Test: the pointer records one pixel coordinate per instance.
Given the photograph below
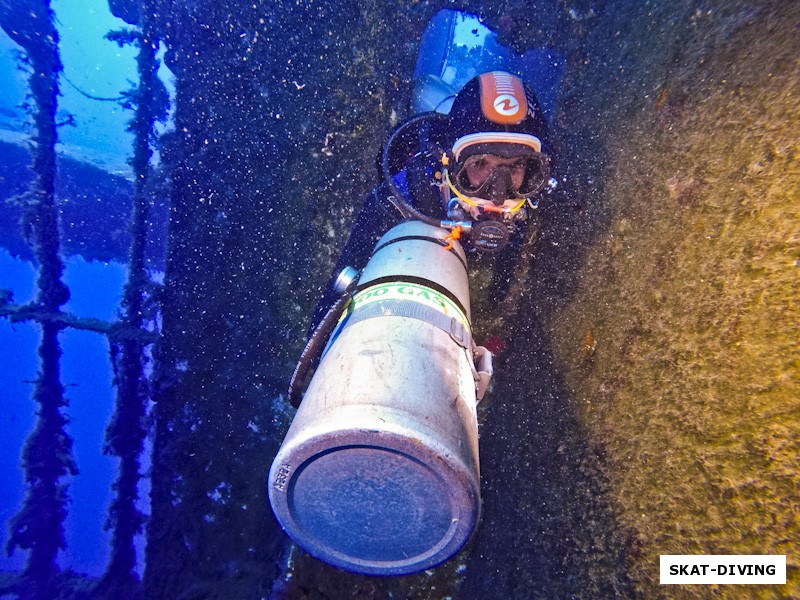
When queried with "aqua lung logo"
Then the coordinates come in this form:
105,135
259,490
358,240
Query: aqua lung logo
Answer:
502,98
506,104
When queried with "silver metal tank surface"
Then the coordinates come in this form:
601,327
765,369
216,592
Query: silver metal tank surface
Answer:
378,473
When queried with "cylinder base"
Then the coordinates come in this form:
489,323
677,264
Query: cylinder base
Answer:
373,501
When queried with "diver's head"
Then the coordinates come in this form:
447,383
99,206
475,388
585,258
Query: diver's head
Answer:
497,131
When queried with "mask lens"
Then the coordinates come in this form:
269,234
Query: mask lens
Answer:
477,171
474,172
536,173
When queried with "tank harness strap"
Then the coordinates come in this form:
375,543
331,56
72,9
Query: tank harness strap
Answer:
414,310
417,281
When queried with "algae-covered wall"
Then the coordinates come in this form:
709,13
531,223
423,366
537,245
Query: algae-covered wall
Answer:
679,341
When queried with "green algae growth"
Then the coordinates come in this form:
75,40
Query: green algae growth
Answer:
680,345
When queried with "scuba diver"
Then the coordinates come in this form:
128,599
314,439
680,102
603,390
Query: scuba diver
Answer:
379,471
481,167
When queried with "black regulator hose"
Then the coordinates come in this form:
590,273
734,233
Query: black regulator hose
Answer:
408,211
311,353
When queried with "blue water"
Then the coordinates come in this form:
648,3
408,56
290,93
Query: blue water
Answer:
86,375
93,66
97,67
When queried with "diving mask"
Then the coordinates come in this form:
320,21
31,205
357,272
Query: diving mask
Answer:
498,179
500,172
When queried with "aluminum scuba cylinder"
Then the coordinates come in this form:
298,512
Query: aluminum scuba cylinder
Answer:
379,471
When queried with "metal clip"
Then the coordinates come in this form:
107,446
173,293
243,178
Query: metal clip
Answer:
483,370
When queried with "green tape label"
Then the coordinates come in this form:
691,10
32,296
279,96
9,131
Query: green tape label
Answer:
409,291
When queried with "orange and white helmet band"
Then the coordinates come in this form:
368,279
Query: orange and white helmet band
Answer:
503,98
496,137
